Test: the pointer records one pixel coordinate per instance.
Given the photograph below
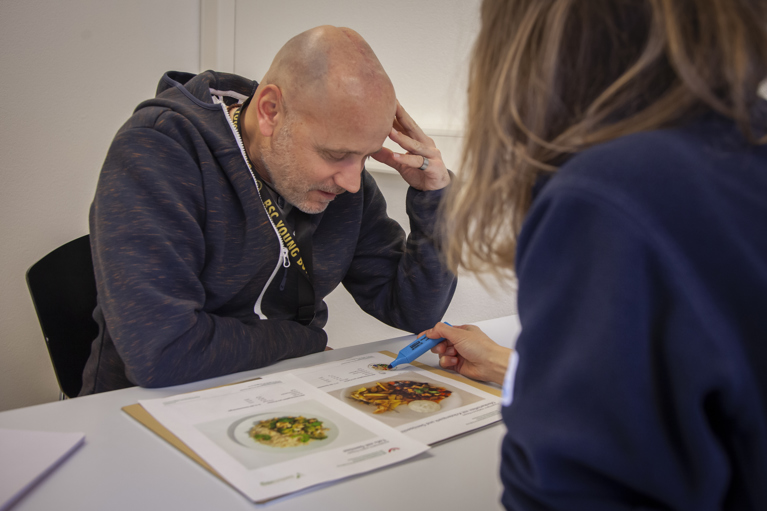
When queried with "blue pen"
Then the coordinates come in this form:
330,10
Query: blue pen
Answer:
415,349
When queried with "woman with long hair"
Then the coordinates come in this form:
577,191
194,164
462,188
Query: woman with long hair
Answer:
615,163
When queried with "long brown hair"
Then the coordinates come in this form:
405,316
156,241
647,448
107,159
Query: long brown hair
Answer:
550,78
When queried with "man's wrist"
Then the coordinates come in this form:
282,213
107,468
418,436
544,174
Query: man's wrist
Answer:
438,184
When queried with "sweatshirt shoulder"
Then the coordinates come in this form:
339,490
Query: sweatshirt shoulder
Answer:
192,102
658,168
163,119
692,155
639,157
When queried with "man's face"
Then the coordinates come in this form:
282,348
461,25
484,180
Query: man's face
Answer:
311,159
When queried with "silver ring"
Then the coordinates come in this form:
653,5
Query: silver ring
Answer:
425,163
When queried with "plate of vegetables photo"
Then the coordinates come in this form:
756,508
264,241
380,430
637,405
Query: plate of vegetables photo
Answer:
283,431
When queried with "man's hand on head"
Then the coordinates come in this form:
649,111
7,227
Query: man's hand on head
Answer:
420,148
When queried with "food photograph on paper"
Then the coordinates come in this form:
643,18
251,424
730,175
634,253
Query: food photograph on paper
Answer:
397,398
287,431
258,440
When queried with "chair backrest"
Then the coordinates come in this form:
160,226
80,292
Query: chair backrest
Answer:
63,289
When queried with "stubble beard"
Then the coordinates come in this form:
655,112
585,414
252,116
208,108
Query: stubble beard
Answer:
289,181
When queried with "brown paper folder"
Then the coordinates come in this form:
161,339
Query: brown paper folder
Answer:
140,414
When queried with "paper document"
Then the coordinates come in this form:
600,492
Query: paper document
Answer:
421,403
289,431
277,435
26,457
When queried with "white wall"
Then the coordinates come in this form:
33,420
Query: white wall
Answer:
72,73
74,70
422,44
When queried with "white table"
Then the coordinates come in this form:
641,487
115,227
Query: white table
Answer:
123,465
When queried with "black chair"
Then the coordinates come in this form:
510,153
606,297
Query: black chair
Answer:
63,289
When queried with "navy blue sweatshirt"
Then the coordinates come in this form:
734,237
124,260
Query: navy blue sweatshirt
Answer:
642,377
189,267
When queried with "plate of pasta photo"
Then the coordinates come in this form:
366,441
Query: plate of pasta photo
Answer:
402,398
283,431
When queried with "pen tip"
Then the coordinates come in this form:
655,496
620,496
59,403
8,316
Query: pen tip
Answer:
390,366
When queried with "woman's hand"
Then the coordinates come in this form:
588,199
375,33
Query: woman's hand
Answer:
468,351
419,147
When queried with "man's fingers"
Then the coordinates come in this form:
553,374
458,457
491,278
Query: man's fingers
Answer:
410,160
397,126
400,161
409,125
385,156
412,145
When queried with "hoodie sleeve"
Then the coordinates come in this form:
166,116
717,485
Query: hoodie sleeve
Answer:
148,242
400,281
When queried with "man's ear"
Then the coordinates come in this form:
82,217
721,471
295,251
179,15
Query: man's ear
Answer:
269,109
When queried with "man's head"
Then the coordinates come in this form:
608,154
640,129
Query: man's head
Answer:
323,107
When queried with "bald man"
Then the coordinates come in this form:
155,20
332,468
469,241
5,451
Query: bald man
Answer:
226,210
